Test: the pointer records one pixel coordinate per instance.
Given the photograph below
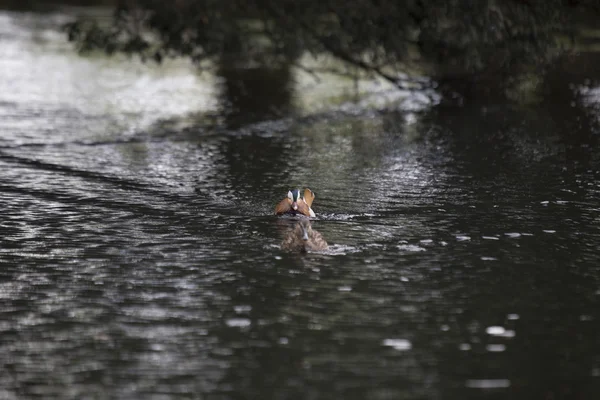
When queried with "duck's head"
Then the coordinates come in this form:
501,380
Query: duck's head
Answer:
294,195
305,230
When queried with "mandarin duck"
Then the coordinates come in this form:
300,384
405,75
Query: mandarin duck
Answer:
293,204
303,238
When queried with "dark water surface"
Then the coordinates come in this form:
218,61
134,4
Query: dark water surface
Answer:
141,263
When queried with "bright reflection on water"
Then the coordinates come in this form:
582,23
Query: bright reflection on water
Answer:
50,95
139,262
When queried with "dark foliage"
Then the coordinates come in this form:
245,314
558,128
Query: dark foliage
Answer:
446,39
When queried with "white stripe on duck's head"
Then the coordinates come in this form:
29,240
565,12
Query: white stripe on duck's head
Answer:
294,195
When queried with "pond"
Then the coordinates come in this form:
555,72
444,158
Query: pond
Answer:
141,257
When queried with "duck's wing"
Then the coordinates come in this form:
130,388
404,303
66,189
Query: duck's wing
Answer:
309,196
293,240
290,243
317,242
284,206
305,209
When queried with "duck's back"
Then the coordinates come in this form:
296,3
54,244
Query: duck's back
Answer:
315,241
303,238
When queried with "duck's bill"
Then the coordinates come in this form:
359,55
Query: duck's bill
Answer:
295,206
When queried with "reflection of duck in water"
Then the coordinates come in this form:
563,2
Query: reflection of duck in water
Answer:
303,238
293,204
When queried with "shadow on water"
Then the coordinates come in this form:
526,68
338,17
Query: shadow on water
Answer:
254,94
463,258
522,168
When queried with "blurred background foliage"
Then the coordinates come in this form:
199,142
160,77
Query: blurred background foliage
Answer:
473,47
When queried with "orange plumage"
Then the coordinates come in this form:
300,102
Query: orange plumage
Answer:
295,205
